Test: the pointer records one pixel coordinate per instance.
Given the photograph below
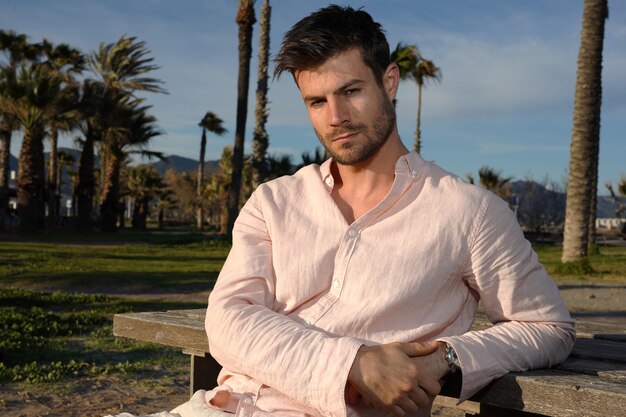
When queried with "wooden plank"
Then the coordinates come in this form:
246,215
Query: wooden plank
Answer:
597,330
162,328
604,370
599,349
468,407
611,336
555,393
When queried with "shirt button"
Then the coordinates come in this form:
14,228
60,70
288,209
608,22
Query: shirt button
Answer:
336,283
414,173
329,181
247,401
352,232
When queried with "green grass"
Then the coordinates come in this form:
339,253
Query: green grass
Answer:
95,263
55,321
48,336
45,337
609,265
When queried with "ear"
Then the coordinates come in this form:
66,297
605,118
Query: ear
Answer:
391,80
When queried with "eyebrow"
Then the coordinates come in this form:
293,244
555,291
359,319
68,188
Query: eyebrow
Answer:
341,89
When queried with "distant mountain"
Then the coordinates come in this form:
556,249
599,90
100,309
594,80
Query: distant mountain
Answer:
182,164
605,209
606,205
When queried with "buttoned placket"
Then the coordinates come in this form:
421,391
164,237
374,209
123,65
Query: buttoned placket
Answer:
350,240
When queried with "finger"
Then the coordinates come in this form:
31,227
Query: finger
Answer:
407,404
397,411
429,384
420,397
419,348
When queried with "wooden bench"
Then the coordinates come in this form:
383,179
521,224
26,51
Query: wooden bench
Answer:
591,382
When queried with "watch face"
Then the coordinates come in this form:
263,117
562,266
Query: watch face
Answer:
452,359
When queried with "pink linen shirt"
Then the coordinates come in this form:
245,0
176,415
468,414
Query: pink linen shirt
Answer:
302,290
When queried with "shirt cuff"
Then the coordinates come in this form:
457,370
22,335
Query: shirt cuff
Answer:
329,381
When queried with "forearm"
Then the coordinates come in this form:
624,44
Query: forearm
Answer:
308,365
509,347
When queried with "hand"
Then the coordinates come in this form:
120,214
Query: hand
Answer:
394,377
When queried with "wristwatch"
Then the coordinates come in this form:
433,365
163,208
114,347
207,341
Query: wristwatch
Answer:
452,359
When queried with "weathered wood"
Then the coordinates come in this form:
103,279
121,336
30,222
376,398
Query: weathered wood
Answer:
599,349
606,370
555,393
591,382
170,329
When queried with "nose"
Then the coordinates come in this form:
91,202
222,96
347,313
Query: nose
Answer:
338,113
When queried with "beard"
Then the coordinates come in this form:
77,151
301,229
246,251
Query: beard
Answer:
376,136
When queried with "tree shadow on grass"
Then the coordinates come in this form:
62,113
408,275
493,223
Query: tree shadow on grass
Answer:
119,282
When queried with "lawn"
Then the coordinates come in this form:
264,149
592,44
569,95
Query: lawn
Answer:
48,335
609,265
59,292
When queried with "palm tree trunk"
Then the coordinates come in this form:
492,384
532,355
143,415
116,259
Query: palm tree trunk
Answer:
200,183
418,144
31,181
585,132
52,178
5,152
86,184
260,140
245,20
110,193
593,204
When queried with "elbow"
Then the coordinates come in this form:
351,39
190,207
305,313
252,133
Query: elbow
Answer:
564,343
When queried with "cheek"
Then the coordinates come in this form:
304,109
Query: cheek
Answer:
317,119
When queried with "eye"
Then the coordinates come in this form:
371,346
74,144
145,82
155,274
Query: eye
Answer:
316,103
352,91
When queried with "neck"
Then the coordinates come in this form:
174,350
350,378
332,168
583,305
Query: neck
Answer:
359,188
377,171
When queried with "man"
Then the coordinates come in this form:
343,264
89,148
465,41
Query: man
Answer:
351,287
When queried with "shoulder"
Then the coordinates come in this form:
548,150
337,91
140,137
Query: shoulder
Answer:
291,189
453,189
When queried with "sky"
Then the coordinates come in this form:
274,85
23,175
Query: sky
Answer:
505,99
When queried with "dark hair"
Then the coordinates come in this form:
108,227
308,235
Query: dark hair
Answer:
328,32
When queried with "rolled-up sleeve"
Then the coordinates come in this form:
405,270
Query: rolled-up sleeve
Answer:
246,334
532,327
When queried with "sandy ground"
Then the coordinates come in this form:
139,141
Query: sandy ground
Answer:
164,389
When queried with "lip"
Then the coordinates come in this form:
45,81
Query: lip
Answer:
346,136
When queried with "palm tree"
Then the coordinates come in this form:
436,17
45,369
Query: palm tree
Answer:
279,166
64,159
245,20
585,132
39,96
144,184
492,180
132,133
15,50
94,107
319,156
619,202
217,191
260,140
213,124
66,62
413,65
122,124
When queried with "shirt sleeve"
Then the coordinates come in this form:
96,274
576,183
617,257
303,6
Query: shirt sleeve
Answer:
532,327
247,336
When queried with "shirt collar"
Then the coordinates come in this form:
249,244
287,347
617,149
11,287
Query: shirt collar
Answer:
410,163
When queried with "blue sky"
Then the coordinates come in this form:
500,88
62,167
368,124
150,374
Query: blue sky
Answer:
505,98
